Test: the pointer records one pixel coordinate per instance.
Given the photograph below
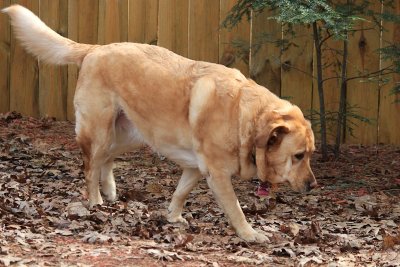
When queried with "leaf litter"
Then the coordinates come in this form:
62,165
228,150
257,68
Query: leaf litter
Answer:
351,219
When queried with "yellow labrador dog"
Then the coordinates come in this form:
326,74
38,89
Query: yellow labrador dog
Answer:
209,119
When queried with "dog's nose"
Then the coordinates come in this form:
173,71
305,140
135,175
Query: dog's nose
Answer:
311,185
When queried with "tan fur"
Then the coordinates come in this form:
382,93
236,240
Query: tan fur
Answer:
207,118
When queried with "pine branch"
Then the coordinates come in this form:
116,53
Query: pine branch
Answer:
368,75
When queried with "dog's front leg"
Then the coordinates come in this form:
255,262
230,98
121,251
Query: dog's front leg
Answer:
222,188
93,188
189,179
107,181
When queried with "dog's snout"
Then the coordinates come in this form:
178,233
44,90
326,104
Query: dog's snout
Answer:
310,185
307,187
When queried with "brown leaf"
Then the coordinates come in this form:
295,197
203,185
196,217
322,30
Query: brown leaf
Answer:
183,240
10,116
309,236
390,241
162,254
63,232
9,259
94,237
348,248
133,195
76,209
155,188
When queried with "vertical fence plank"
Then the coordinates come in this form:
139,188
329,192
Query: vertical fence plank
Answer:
364,59
53,80
235,56
73,22
24,80
83,28
4,59
113,21
389,106
203,30
173,19
265,62
143,21
87,17
297,68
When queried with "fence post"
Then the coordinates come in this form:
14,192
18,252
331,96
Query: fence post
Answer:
389,111
143,21
363,59
173,23
24,74
265,61
297,68
4,59
229,55
53,80
203,30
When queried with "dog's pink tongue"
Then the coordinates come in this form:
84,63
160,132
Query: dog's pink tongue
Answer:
263,189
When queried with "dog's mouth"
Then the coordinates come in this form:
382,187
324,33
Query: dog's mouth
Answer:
263,189
301,188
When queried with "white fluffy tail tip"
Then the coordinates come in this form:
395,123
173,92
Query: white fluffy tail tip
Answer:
7,9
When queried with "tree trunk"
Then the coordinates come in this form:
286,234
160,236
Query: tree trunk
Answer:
317,44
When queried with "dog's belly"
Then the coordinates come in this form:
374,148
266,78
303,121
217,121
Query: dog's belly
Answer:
184,157
130,137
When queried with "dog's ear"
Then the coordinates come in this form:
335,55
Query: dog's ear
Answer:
272,136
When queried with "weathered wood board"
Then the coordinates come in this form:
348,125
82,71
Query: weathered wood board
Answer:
24,73
297,68
232,55
363,95
53,80
173,19
204,30
389,105
4,60
265,61
143,21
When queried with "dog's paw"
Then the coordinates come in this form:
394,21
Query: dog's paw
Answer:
253,236
109,192
177,219
95,202
110,196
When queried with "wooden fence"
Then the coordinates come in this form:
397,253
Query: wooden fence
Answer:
192,28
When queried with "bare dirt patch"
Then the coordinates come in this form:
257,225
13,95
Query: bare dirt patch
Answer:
352,219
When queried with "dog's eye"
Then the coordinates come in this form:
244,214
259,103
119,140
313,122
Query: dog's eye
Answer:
299,156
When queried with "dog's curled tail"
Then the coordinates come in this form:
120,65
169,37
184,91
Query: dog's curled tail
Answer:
43,42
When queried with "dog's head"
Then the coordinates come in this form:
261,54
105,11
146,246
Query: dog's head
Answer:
284,144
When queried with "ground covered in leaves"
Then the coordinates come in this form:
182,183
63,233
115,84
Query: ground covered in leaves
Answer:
352,219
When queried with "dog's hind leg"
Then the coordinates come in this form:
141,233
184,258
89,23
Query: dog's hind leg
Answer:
125,138
188,181
93,160
95,139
